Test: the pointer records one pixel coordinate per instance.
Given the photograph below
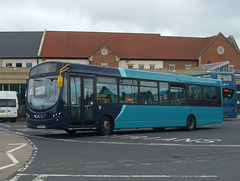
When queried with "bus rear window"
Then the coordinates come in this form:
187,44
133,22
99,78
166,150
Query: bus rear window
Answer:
228,94
224,77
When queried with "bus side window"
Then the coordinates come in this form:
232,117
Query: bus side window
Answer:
128,89
107,90
177,92
148,92
164,93
210,93
195,92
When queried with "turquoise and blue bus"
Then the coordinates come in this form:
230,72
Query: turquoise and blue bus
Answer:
229,91
72,97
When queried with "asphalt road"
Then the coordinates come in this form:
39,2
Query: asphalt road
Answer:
209,153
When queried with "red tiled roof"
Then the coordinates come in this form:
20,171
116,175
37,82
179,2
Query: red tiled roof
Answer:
126,45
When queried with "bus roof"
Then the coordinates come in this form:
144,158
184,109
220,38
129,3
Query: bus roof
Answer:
169,77
215,73
44,69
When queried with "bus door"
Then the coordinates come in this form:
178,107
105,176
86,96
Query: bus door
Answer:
81,100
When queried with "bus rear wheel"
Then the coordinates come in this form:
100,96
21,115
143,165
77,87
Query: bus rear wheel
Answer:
158,128
191,123
106,126
71,132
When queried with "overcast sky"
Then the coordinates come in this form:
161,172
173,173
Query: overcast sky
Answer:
191,18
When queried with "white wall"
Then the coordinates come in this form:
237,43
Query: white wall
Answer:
81,61
136,63
23,61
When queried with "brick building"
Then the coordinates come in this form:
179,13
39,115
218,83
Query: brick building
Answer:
139,51
19,51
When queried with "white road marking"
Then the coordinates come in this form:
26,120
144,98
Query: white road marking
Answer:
35,150
9,154
41,177
5,125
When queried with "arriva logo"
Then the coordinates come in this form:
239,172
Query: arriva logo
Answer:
39,116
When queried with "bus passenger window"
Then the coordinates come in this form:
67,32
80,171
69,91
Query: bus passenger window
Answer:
164,92
195,92
106,90
177,93
148,92
210,93
128,91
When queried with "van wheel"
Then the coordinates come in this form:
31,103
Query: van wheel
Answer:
105,126
13,120
191,123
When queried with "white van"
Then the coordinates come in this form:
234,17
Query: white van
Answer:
8,106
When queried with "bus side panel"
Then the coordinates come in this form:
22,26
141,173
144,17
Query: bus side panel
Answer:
140,116
208,115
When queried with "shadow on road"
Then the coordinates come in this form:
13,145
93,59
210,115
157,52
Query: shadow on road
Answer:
93,133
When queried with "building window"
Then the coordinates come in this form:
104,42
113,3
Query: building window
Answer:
104,64
152,67
104,51
231,68
220,50
28,64
222,69
18,64
141,66
8,64
130,66
188,67
172,67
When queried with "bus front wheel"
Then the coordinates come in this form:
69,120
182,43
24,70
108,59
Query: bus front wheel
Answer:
106,126
191,123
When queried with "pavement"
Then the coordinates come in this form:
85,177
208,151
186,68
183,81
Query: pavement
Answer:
15,153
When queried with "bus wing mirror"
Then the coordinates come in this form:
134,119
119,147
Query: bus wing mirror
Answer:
60,81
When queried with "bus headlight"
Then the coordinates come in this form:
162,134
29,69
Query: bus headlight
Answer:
56,114
27,115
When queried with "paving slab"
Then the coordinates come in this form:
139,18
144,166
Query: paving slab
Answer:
15,151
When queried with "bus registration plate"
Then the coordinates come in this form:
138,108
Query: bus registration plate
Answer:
226,116
2,111
41,126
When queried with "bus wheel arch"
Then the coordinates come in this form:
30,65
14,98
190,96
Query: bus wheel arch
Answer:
106,125
191,123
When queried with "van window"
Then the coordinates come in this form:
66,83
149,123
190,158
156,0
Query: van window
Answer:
7,103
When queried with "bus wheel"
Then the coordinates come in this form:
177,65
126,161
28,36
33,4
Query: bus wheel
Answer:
106,126
191,123
159,128
71,132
